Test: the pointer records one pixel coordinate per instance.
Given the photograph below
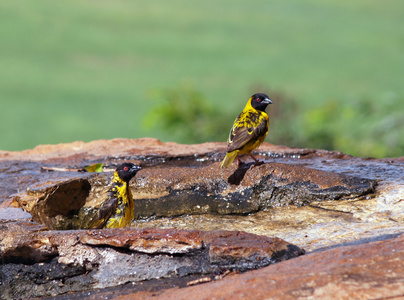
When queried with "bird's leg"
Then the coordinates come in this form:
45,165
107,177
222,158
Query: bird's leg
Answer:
257,162
239,161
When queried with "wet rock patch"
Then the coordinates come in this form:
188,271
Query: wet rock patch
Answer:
174,191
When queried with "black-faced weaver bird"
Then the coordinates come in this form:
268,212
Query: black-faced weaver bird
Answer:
249,129
117,210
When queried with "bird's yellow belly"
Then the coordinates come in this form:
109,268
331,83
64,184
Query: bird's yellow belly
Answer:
120,218
250,146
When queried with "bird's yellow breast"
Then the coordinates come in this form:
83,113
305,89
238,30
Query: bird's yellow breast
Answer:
123,214
252,117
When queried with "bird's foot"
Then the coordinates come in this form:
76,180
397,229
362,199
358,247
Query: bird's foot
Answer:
240,163
257,162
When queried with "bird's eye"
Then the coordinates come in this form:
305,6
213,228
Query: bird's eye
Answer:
258,100
125,169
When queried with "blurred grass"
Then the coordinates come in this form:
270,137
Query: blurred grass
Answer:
84,70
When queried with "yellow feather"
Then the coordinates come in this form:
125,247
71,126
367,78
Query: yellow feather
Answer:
122,218
124,212
228,160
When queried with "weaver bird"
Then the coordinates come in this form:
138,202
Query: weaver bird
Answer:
249,129
117,210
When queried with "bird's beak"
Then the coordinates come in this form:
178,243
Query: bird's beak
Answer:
136,168
267,101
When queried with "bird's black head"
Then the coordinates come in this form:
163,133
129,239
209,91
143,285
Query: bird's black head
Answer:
260,101
127,171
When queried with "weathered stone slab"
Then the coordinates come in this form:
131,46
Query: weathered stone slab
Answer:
162,192
20,170
367,271
145,240
141,148
36,262
173,191
44,264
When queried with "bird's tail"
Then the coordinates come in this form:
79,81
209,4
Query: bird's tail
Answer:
230,156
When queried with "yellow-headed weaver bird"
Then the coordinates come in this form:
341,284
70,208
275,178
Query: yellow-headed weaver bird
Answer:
249,129
117,210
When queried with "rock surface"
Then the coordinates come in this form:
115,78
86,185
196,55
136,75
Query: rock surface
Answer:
178,188
175,191
368,271
38,263
292,196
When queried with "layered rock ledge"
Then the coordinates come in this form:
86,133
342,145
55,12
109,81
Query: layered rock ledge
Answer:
191,182
368,271
37,262
196,223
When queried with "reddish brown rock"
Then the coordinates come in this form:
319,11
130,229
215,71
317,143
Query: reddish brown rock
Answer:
21,170
166,191
79,260
368,271
183,180
172,172
248,249
128,147
207,189
146,240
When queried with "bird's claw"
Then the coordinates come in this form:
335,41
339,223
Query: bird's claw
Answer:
258,163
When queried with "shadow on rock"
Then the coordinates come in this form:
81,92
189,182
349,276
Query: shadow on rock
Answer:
238,175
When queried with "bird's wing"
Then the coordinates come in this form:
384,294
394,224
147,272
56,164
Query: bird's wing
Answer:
104,213
247,127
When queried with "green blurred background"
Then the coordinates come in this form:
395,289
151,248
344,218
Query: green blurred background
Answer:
182,70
